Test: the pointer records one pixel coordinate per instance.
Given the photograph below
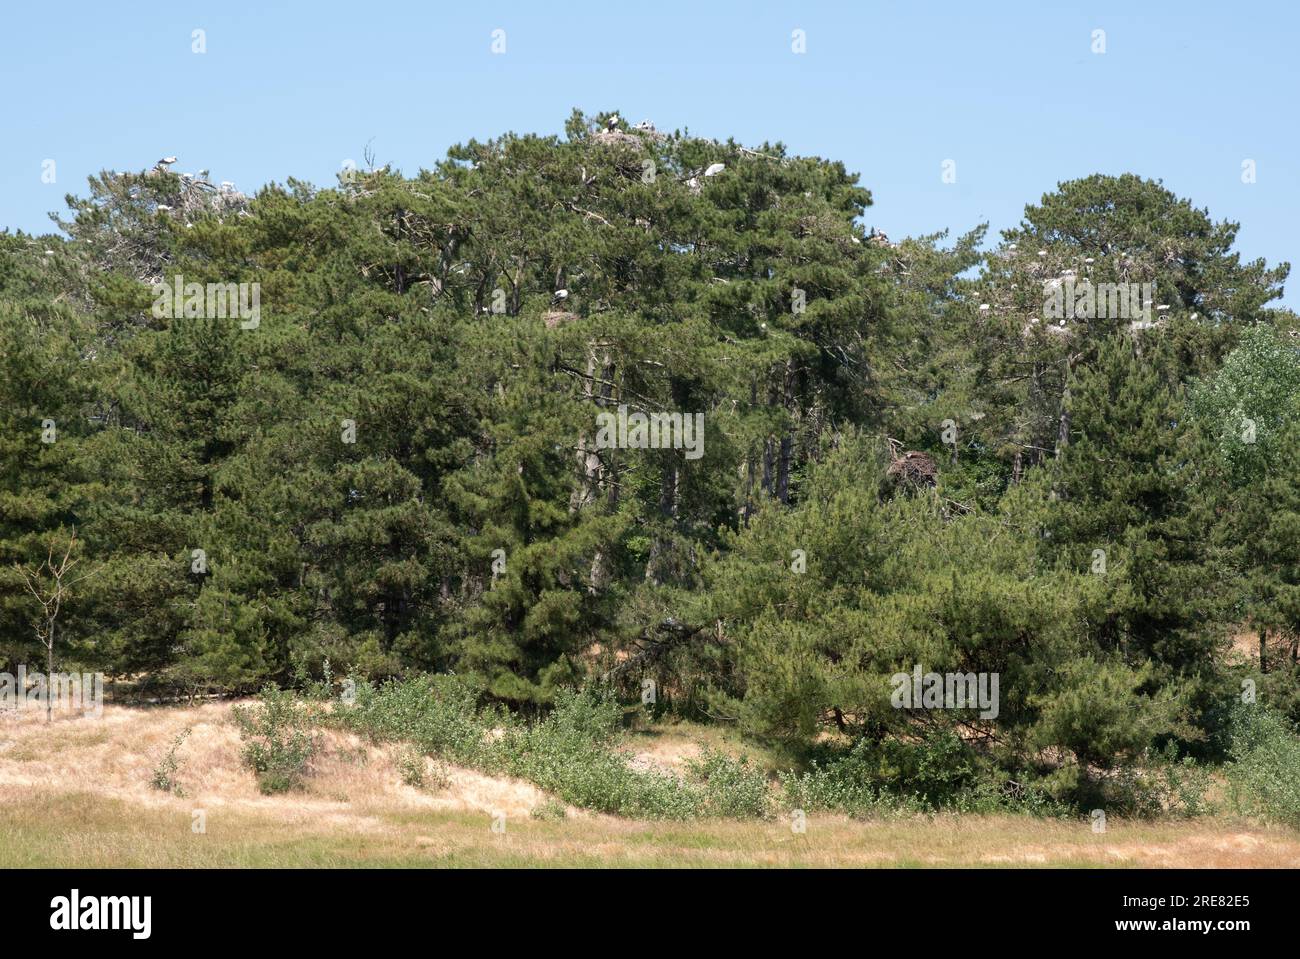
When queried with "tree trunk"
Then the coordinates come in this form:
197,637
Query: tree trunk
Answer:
783,470
49,672
588,458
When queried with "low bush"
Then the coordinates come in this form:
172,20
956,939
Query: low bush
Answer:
439,714
279,739
164,774
1264,773
570,752
732,788
842,784
549,811
895,778
410,765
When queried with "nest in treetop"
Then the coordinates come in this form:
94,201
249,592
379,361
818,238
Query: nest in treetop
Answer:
612,137
553,318
913,468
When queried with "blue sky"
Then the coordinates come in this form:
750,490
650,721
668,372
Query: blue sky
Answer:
1012,92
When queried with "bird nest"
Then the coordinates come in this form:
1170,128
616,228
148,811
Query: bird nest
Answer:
553,318
913,468
617,138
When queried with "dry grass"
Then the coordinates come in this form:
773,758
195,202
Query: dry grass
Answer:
77,793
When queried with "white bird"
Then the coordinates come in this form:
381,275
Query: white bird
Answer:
984,307
204,174
1088,260
1042,253
227,185
166,161
612,122
163,206
645,126
560,296
714,169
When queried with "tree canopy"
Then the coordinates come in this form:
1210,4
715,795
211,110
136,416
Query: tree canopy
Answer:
395,464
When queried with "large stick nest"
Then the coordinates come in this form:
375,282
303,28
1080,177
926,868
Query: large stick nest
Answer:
914,469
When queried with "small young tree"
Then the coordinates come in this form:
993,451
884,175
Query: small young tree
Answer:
50,583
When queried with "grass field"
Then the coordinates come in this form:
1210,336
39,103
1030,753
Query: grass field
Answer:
78,793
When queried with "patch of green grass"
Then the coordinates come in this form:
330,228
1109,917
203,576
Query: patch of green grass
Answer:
53,830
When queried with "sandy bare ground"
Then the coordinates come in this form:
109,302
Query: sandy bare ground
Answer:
77,792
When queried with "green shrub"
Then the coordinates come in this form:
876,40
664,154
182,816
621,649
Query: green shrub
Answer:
843,784
1160,785
897,778
1265,770
279,739
410,765
732,787
570,752
549,811
164,774
439,714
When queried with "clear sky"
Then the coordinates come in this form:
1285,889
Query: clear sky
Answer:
1185,91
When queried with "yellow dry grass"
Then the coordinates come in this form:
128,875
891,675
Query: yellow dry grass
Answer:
78,793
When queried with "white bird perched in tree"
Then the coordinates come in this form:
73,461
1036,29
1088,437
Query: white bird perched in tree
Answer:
645,126
612,122
166,161
560,296
714,169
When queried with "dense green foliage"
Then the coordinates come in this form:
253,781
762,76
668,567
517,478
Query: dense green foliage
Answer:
571,752
1265,771
909,461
